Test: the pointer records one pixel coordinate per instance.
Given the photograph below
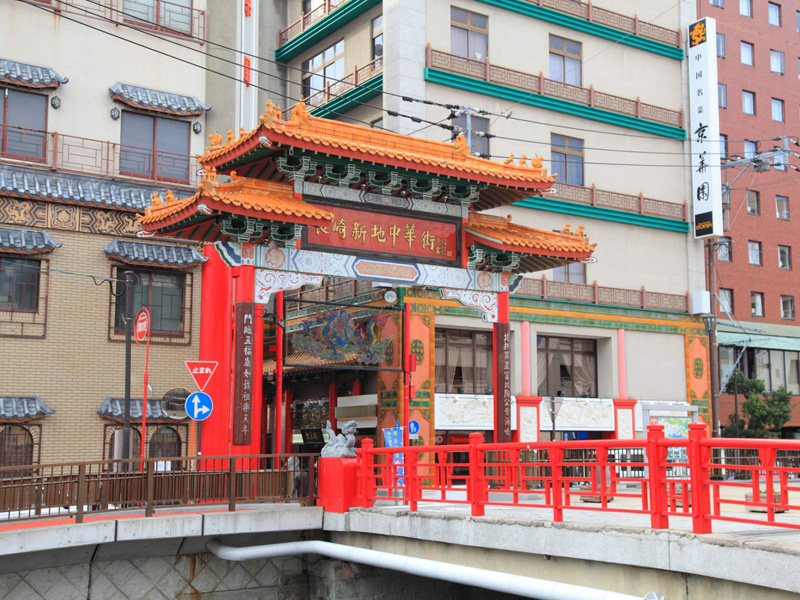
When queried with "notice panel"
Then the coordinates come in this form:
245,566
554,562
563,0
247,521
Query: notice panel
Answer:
358,231
243,373
706,147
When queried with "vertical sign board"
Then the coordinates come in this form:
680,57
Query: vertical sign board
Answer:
243,380
706,146
502,340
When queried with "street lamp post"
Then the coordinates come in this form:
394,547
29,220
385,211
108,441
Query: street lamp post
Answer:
710,321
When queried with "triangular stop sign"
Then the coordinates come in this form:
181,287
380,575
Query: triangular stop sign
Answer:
201,371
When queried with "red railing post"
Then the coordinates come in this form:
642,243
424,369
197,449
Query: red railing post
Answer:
366,472
698,458
412,492
557,485
476,481
658,480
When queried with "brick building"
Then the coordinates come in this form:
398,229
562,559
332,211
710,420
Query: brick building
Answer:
756,279
85,140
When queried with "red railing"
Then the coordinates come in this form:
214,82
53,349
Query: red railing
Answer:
73,489
598,294
168,18
306,20
86,156
659,477
350,81
539,84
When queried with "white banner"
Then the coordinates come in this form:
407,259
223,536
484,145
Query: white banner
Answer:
706,146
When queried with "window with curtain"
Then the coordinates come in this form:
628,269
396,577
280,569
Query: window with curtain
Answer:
756,304
567,158
163,294
172,15
23,124
754,253
565,60
782,207
571,273
748,103
463,361
777,62
469,34
566,367
776,368
154,147
720,45
377,37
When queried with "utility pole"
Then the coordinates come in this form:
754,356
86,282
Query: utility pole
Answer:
126,421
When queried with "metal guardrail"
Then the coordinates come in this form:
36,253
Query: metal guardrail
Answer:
72,154
75,489
349,82
539,84
306,20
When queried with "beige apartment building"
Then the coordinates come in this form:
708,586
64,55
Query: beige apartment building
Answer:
598,91
91,125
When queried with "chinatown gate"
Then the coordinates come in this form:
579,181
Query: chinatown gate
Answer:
300,201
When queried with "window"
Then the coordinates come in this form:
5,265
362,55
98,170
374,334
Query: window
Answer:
377,37
175,15
310,5
782,207
720,45
163,294
719,3
463,361
19,283
323,69
154,147
756,304
750,149
777,110
776,368
784,257
746,8
722,95
567,367
572,273
23,124
724,249
777,62
787,307
725,301
774,14
753,199
565,60
797,21
16,449
469,34
748,102
754,253
723,142
746,51
166,443
479,144
567,160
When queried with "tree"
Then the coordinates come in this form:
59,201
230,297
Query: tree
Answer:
763,413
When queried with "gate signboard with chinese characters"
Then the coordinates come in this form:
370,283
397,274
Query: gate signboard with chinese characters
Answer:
706,146
305,201
362,231
243,382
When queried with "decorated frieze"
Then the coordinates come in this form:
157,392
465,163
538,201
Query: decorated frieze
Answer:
67,217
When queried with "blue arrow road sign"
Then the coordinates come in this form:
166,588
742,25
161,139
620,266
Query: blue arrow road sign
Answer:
199,406
413,427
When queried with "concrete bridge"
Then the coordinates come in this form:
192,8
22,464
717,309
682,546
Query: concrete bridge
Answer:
128,555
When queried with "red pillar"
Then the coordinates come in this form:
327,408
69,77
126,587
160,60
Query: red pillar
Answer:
501,352
406,373
279,372
332,398
216,336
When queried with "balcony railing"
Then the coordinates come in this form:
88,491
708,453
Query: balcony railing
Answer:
598,294
601,16
349,82
308,19
85,156
604,199
539,84
162,16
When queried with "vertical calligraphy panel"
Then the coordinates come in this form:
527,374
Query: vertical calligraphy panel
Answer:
502,395
243,373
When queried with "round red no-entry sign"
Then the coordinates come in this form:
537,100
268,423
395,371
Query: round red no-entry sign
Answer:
141,329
